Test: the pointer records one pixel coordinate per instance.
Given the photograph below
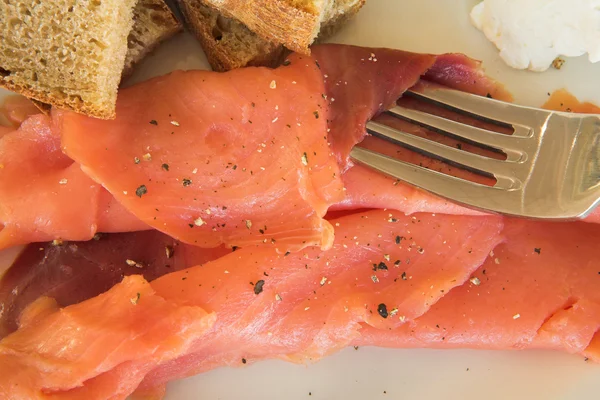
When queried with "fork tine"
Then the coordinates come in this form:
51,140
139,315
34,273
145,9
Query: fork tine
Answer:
498,141
491,110
488,166
469,193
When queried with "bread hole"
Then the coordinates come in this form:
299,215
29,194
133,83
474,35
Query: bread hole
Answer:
43,61
95,3
133,41
217,34
76,99
224,24
70,9
4,72
34,77
98,43
14,23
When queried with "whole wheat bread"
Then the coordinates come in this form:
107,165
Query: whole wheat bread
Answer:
293,23
153,23
229,44
72,53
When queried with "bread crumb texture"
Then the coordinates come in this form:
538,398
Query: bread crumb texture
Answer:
228,44
68,53
153,22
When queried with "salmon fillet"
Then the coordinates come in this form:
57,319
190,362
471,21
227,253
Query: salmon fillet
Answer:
238,158
46,196
76,271
199,165
426,280
98,349
538,289
299,307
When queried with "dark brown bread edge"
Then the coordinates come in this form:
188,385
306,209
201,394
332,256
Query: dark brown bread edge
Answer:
221,60
275,21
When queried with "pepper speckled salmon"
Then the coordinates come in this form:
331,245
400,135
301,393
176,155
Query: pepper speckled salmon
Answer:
237,158
46,196
382,266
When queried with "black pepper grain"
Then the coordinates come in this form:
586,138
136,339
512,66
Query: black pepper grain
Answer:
382,310
258,287
381,265
140,191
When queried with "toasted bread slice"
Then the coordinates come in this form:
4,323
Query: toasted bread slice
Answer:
153,23
74,56
229,44
293,23
68,54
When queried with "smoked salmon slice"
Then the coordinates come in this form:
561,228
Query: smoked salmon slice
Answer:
76,271
238,158
98,349
538,289
46,196
363,82
223,158
16,109
297,306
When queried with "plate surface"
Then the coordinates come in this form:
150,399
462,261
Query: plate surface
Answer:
370,373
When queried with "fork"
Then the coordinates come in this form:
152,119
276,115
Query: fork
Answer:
552,165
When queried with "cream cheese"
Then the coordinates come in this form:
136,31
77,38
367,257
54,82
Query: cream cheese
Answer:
531,34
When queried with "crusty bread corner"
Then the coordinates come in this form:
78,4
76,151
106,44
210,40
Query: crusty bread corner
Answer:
341,12
42,59
153,23
293,23
227,43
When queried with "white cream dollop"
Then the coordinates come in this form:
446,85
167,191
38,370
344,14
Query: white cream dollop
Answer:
531,34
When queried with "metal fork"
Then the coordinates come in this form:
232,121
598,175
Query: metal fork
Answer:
552,166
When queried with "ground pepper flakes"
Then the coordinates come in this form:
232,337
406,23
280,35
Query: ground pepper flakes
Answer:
141,190
258,287
382,310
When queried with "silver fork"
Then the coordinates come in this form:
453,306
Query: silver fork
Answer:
552,166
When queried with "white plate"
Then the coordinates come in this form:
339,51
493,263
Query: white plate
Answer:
424,26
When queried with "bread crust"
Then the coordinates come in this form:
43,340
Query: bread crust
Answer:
163,21
276,21
202,21
331,27
44,100
164,25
